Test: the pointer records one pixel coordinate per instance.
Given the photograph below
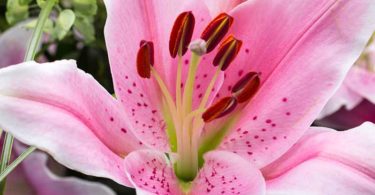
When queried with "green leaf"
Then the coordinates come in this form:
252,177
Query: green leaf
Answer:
63,23
17,10
86,28
85,7
41,3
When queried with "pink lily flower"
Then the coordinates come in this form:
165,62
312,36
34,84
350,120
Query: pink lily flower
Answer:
273,73
354,102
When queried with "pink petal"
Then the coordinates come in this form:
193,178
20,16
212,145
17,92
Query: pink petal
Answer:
227,173
14,44
326,162
344,97
43,182
129,23
347,119
64,111
218,6
303,51
150,174
362,82
223,173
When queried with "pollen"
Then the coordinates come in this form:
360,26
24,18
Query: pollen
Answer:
216,30
219,109
181,34
145,59
246,87
228,51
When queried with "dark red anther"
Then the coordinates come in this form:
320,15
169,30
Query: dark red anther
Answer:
181,34
216,30
221,108
145,58
246,87
228,51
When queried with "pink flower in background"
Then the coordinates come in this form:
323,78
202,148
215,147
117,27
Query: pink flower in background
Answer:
34,177
354,101
14,44
274,70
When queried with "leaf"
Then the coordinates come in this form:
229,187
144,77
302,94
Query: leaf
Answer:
64,23
85,7
17,10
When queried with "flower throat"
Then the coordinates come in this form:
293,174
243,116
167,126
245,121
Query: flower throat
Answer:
186,123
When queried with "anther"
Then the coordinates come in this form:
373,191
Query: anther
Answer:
228,51
246,87
145,58
216,30
221,108
181,34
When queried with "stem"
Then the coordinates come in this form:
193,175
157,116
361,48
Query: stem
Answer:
189,85
16,162
187,163
178,86
30,54
209,88
37,34
5,157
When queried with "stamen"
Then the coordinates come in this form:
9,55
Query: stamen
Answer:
220,109
227,52
246,87
181,34
216,30
145,59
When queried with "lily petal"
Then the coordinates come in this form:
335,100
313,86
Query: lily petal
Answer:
43,182
150,174
65,112
218,6
125,27
223,173
228,173
344,97
150,20
346,119
362,82
14,44
325,161
303,51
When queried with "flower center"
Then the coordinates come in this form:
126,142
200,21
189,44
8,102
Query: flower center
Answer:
184,123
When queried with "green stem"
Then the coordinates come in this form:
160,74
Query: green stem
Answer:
30,54
37,34
16,162
5,157
187,98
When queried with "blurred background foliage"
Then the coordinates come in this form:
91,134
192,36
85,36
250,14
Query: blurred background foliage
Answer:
75,31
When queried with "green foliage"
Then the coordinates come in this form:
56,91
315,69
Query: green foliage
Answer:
63,23
85,26
41,3
17,10
85,7
85,11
